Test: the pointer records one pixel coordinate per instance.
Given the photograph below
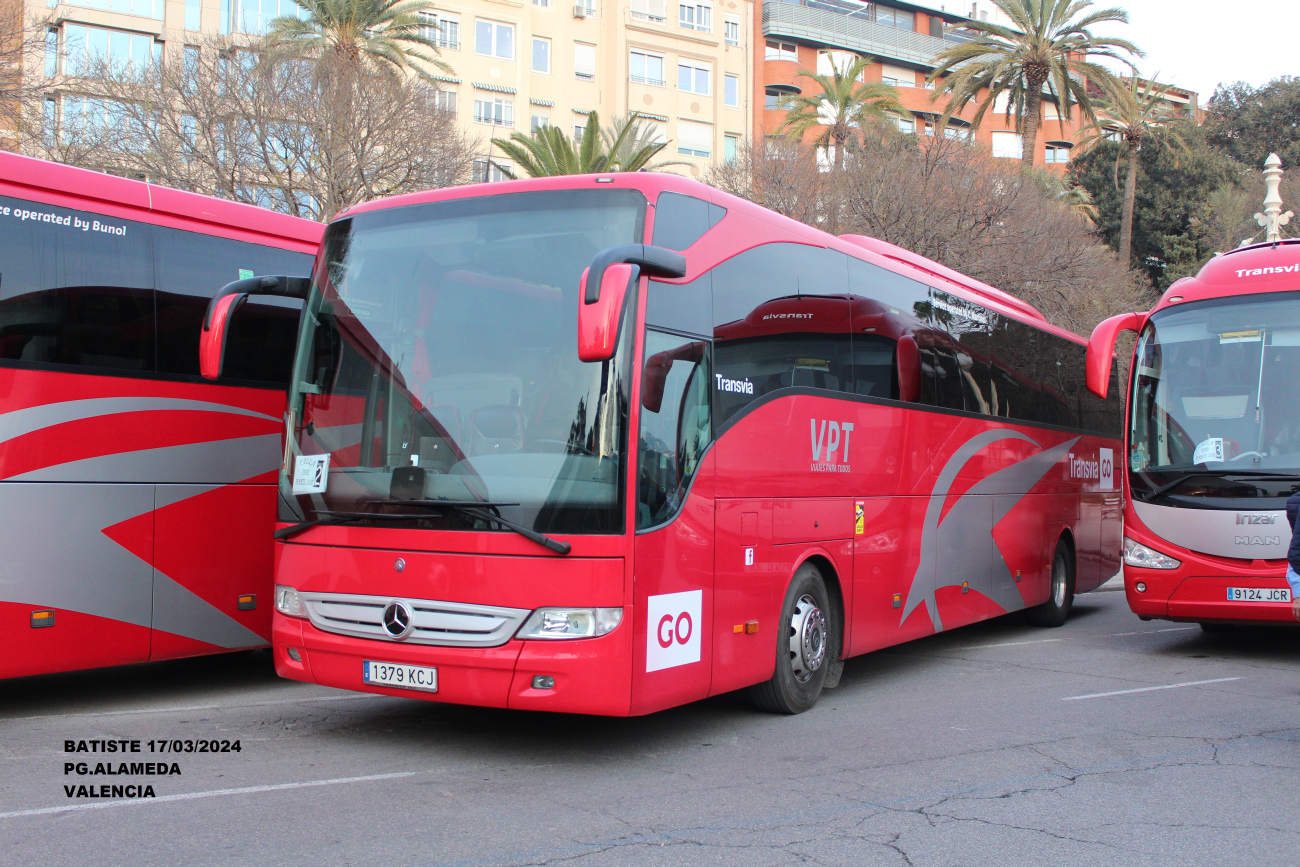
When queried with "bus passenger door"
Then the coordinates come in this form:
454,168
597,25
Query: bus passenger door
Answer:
673,583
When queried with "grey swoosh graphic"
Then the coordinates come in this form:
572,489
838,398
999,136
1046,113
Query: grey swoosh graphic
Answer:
181,612
33,418
967,528
207,463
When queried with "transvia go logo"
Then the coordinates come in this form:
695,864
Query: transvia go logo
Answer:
832,439
1101,470
673,623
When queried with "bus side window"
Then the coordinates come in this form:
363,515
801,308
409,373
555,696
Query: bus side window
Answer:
675,423
781,319
190,268
72,296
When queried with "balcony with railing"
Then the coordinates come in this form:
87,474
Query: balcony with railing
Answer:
848,25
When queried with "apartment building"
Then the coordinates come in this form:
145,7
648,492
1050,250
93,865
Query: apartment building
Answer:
903,39
516,64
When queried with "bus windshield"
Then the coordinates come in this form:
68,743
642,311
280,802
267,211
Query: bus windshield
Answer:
438,362
1214,412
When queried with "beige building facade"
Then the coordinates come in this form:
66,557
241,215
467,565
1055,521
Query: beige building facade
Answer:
686,66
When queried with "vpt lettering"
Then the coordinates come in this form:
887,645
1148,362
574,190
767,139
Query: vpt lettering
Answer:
832,436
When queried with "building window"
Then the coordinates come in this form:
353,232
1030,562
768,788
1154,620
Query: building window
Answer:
584,61
731,90
441,29
694,139
487,172
906,123
51,52
957,133
541,54
1058,153
193,14
830,62
494,39
143,8
730,147
693,77
896,18
696,16
1007,145
781,51
543,3
445,100
897,76
83,45
732,31
248,16
646,69
772,99
655,11
190,57
541,118
497,111
579,127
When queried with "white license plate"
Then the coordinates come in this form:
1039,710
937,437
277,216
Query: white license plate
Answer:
399,675
1257,594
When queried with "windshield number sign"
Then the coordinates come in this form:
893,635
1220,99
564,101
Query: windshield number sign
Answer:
310,474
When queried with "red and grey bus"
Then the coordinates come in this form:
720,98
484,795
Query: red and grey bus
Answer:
138,499
1212,440
610,444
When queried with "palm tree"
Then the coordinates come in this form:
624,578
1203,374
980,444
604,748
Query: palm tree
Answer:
385,33
841,110
1052,45
626,147
1129,113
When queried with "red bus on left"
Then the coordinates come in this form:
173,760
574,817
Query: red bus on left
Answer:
137,500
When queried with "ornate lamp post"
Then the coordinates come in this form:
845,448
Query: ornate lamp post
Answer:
1273,219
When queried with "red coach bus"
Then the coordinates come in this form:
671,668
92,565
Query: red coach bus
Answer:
1213,440
609,444
138,500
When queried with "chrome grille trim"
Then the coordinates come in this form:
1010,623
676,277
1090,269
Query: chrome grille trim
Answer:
444,624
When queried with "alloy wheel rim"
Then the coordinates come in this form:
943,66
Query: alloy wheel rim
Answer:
1058,582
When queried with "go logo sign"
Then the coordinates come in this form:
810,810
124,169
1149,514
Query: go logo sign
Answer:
673,623
1106,457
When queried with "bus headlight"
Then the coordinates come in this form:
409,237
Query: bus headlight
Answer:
1139,555
570,622
286,601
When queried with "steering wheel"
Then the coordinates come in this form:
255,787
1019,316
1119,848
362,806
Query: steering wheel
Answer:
1245,455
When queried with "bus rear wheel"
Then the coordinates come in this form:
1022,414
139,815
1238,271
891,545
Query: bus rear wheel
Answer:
1056,609
805,645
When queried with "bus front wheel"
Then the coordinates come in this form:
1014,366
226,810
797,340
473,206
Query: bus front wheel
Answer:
1056,609
804,646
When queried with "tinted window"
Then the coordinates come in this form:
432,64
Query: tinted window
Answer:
682,306
75,288
954,339
883,304
190,268
781,317
675,427
681,220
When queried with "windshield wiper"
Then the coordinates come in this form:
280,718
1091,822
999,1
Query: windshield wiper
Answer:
475,509
338,518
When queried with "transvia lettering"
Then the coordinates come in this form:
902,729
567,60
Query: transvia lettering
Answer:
1275,269
740,386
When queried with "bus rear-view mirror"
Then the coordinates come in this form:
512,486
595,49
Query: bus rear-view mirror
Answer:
1101,349
221,310
598,320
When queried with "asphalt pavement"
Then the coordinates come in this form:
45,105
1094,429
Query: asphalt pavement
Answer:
1108,741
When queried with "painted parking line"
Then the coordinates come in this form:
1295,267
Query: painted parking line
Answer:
192,707
1012,643
194,796
1148,688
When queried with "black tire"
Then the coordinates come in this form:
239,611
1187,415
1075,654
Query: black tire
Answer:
808,621
1060,598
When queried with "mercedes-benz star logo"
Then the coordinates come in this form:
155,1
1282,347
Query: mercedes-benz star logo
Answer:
396,620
